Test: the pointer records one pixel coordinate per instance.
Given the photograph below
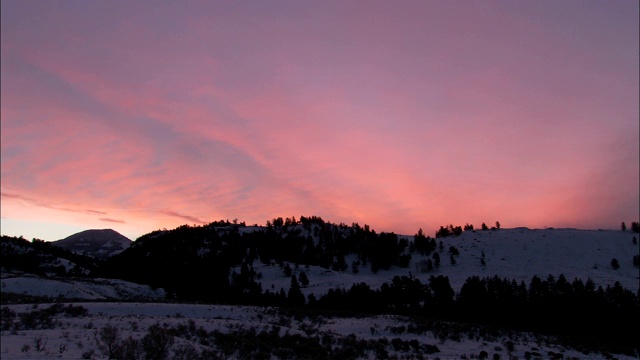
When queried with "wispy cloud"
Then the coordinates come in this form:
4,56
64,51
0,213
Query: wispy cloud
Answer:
192,219
39,203
402,122
113,220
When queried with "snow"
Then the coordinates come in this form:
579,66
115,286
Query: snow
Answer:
77,334
88,289
517,254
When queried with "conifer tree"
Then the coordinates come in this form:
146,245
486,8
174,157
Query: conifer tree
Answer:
304,280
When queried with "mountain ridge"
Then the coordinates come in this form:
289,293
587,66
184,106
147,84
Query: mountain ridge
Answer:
98,243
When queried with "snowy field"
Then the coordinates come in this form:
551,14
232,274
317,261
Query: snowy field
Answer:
79,337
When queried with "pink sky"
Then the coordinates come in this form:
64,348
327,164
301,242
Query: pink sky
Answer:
137,116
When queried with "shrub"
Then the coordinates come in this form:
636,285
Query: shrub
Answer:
131,348
108,340
157,342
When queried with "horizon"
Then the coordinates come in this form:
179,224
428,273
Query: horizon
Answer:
419,115
477,227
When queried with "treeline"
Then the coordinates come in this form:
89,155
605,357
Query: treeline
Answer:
178,260
576,310
451,230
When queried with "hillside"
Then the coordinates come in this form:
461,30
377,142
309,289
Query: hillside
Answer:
100,244
39,269
42,258
575,284
517,254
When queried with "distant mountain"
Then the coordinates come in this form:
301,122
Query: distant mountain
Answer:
100,244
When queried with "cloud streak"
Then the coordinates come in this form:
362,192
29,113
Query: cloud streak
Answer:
113,221
398,116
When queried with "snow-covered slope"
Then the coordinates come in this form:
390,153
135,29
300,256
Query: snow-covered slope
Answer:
517,254
97,243
78,288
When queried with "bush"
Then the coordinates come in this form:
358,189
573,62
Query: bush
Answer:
131,348
157,342
108,341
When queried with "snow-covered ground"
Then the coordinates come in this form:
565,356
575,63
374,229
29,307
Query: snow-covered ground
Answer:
77,288
512,253
516,254
76,335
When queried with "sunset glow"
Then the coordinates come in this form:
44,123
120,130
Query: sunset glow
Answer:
137,116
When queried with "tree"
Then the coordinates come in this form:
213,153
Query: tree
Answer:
484,226
615,264
354,266
436,259
497,224
304,280
635,227
623,226
294,296
287,270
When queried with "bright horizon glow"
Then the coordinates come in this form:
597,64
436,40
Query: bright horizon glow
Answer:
401,116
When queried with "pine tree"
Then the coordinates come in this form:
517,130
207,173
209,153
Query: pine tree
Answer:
304,280
294,296
436,260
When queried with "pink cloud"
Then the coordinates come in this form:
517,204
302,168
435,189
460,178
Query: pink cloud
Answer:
398,117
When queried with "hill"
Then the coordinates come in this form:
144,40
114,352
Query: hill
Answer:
576,284
42,258
339,255
40,270
100,244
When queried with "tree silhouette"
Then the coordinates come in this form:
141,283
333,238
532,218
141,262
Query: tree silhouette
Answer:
294,296
304,280
615,264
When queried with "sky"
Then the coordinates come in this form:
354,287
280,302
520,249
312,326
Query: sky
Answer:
139,116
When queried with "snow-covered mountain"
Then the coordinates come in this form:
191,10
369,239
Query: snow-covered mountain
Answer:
100,244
